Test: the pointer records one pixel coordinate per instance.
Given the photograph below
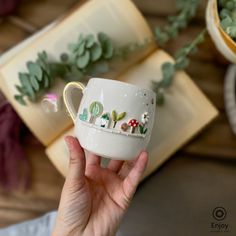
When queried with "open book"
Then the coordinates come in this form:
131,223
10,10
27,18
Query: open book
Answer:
186,110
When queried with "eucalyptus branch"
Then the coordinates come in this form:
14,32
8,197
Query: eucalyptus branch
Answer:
186,11
90,55
169,69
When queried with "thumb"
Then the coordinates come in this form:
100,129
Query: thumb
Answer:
76,173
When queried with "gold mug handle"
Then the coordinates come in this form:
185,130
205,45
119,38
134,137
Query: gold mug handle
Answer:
68,98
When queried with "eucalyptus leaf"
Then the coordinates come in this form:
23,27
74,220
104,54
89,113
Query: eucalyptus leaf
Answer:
21,90
46,83
182,63
80,39
81,49
96,52
168,71
83,60
35,70
102,37
42,56
34,82
90,40
186,11
73,47
20,99
25,81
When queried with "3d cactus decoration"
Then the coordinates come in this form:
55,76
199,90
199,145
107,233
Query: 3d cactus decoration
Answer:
117,117
96,110
84,115
133,124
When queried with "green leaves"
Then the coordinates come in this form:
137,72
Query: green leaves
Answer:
186,11
89,50
107,45
39,77
20,99
26,85
114,115
121,116
35,70
142,129
89,55
227,13
117,117
96,52
168,69
96,109
83,60
34,82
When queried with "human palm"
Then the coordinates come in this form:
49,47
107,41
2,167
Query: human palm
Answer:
94,199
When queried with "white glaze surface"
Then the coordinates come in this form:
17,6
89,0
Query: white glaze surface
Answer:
121,97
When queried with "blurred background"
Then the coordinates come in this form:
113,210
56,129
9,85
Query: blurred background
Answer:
178,199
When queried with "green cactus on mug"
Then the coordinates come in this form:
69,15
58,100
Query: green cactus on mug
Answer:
96,109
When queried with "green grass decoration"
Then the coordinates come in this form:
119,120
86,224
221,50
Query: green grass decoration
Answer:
227,13
186,11
142,129
89,55
169,69
117,117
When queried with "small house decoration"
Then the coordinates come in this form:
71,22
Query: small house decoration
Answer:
117,117
96,109
105,120
124,127
133,124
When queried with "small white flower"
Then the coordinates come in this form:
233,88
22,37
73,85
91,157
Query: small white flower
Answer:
145,118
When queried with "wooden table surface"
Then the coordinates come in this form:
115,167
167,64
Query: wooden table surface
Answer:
207,69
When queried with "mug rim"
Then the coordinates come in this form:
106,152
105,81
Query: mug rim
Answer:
123,83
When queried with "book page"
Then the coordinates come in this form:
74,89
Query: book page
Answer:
185,112
119,19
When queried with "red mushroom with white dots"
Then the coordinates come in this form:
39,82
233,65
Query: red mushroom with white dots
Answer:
133,124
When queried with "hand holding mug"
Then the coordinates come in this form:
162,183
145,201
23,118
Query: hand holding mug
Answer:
114,119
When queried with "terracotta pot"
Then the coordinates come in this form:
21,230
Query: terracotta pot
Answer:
224,43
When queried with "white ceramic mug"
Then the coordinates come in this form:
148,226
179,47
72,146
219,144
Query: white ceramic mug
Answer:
114,120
